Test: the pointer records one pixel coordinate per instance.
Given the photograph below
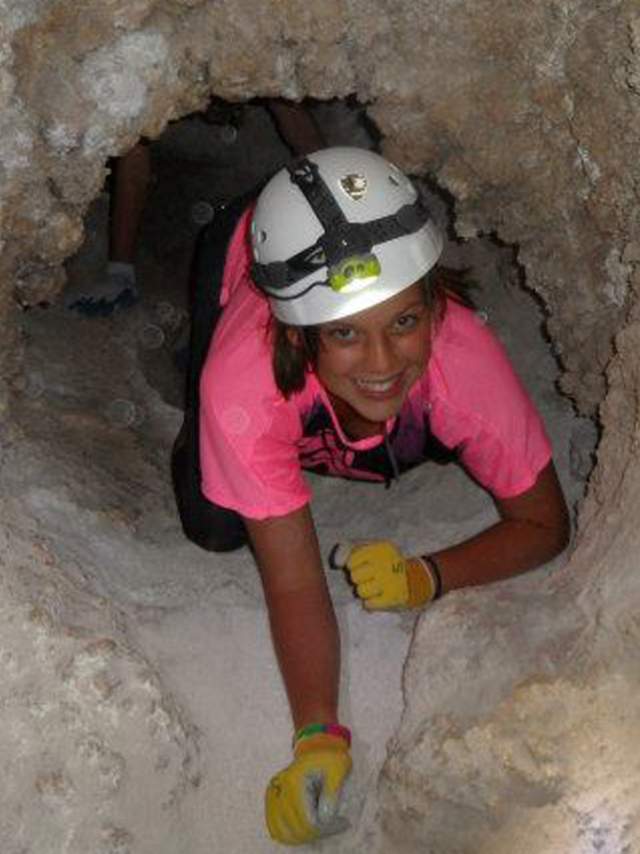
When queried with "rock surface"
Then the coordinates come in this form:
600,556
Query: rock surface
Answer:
87,722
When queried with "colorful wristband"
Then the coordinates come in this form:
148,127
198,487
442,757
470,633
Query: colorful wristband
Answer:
435,573
337,730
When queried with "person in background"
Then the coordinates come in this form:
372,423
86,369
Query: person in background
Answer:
118,288
342,347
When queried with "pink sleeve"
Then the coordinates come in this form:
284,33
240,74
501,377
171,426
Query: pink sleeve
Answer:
248,433
249,458
480,407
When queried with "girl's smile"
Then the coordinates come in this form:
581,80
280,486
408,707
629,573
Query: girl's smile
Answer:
380,388
370,360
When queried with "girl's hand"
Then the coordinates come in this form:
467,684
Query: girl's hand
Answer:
302,800
383,577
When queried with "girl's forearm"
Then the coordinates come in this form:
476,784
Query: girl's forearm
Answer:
534,527
303,623
306,641
507,548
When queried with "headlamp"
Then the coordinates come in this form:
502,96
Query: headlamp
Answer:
354,273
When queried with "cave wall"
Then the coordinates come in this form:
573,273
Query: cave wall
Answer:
87,722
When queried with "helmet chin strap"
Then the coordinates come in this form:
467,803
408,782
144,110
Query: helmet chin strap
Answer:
341,239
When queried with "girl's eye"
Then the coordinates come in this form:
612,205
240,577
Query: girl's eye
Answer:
342,333
406,322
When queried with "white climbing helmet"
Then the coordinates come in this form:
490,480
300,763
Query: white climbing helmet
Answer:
337,232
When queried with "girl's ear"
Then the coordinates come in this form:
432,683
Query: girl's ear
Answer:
294,337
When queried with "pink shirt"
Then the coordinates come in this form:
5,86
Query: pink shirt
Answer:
254,444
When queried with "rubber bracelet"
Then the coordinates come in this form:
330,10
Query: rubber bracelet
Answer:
421,582
310,730
437,574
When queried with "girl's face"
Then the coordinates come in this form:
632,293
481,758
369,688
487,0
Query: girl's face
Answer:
371,359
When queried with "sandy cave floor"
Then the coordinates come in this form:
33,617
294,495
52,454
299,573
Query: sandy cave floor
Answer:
96,415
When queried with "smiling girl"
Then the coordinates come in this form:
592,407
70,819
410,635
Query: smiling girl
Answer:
341,349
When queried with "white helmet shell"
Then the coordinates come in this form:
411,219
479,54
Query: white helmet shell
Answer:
366,188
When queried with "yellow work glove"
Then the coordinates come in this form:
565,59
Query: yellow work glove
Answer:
303,800
384,578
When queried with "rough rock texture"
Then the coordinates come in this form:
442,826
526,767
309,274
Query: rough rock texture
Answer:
85,719
528,115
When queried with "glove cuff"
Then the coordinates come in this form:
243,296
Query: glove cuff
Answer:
331,731
320,742
423,580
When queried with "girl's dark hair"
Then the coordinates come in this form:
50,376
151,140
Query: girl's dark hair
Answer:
292,360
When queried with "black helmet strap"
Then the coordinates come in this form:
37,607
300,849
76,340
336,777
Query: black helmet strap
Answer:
340,239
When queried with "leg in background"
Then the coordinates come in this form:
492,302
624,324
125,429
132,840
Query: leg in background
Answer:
118,288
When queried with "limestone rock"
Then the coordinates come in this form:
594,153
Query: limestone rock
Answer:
85,718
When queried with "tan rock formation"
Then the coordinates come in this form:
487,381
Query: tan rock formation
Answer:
75,697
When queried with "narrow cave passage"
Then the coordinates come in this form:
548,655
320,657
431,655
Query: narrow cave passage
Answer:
121,370
98,408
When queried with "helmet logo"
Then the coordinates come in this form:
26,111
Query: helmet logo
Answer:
354,185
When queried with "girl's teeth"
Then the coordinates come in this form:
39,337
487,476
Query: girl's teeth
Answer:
376,386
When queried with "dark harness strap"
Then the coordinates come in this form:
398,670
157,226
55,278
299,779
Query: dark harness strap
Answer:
341,238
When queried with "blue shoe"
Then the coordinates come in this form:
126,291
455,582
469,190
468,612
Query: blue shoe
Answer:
117,292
